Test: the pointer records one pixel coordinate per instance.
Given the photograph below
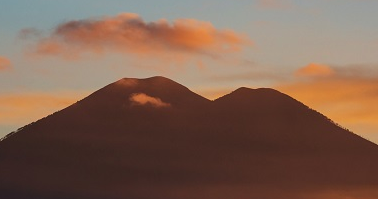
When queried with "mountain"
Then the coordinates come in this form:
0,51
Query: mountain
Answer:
155,139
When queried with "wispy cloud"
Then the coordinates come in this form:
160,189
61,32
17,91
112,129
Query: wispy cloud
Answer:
315,70
5,63
129,34
274,4
252,76
29,33
143,99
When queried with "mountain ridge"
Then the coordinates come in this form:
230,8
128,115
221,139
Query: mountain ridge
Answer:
154,138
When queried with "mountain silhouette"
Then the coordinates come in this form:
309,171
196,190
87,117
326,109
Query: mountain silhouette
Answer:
155,139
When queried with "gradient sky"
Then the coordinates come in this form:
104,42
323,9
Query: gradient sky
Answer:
322,52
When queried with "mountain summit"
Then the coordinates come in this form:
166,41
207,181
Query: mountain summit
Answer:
155,139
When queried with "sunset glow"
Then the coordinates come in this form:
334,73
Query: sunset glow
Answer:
199,99
323,53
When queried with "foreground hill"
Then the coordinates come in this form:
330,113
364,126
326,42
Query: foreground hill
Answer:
155,139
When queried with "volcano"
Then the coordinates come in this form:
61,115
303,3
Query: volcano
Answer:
155,139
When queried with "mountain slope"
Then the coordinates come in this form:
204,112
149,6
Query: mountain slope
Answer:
155,139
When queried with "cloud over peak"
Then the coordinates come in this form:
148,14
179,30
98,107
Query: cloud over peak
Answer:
143,99
129,33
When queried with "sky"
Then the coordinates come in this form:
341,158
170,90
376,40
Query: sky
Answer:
321,52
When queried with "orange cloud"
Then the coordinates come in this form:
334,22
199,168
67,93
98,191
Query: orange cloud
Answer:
347,99
130,34
5,63
21,109
143,99
313,69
